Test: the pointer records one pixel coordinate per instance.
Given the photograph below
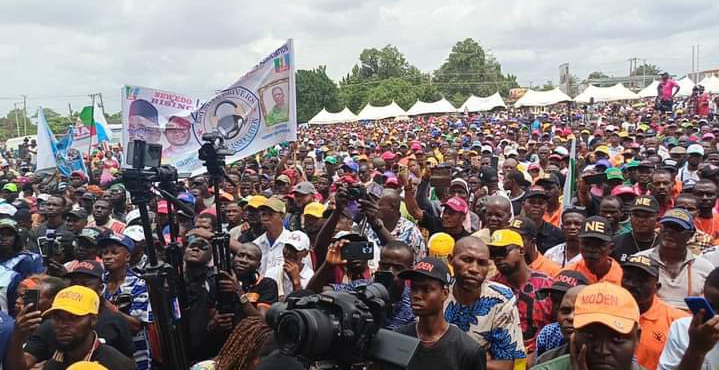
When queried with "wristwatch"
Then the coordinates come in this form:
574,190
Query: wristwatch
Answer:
244,299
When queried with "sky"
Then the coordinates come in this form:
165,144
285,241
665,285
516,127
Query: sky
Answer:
58,52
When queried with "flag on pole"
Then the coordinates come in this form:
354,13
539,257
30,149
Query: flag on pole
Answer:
45,143
93,119
65,158
570,184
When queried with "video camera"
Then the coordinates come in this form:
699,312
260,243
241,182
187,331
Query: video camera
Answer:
138,180
49,246
340,327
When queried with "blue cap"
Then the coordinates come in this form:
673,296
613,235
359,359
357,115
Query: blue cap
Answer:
354,167
603,162
187,198
678,216
477,144
122,240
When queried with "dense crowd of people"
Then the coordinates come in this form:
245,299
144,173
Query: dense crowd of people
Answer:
566,239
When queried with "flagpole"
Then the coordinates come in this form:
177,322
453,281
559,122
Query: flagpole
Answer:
89,147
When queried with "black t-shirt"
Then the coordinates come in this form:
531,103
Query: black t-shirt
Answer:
625,245
433,224
454,351
105,355
111,328
548,236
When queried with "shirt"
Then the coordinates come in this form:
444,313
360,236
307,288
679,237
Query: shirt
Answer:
116,226
614,275
655,325
676,345
408,233
272,251
284,283
455,350
7,326
548,236
103,354
626,245
709,226
492,320
558,255
534,313
667,89
433,224
565,363
545,265
554,218
549,337
689,281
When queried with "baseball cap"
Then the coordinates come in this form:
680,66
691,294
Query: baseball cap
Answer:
89,234
256,201
565,280
430,267
77,300
695,149
524,226
505,237
80,213
86,365
117,239
647,164
678,150
614,174
388,156
88,195
11,187
602,149
645,203
678,216
645,263
298,240
275,204
536,191
548,178
135,232
457,204
330,159
461,183
87,267
623,190
607,304
314,209
305,188
195,239
283,178
604,163
597,227
8,223
440,244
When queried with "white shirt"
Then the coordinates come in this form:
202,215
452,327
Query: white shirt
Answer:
272,253
284,283
676,346
558,254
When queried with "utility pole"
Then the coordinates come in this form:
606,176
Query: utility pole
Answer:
17,120
696,75
24,116
693,53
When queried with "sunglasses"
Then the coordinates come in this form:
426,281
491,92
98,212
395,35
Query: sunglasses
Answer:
501,252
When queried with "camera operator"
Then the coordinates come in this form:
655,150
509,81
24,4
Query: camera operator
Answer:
442,345
128,291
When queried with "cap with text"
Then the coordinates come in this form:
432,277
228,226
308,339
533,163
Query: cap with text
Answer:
645,203
597,227
607,304
77,300
678,216
644,263
428,267
457,204
505,237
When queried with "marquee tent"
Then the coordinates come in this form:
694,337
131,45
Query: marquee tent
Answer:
440,106
534,98
371,113
649,91
325,118
685,86
482,104
605,94
711,84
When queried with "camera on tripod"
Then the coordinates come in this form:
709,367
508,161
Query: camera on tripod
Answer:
341,328
139,179
49,246
213,152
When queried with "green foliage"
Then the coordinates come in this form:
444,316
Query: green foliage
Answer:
395,88
547,86
596,75
646,69
315,90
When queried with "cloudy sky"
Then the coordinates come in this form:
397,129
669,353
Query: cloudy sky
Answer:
57,52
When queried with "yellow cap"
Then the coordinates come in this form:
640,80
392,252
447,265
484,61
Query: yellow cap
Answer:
623,134
602,149
77,300
607,304
275,204
256,201
505,237
314,209
86,365
440,244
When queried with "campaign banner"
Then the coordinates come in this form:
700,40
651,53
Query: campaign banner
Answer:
252,114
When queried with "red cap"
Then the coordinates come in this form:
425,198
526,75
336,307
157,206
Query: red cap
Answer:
622,190
392,183
457,204
388,156
416,146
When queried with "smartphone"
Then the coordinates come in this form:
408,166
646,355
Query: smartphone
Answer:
357,251
441,177
595,179
494,162
698,303
31,296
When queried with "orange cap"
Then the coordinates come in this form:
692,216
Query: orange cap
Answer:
607,304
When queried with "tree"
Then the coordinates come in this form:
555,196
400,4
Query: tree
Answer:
646,69
596,75
547,86
397,89
315,90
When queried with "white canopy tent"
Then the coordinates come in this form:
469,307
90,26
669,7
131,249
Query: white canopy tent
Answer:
649,91
325,118
605,94
685,87
711,84
482,104
534,98
371,113
440,106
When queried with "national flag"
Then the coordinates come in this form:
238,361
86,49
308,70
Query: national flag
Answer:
282,63
94,120
570,184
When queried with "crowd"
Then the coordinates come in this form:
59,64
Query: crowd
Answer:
505,248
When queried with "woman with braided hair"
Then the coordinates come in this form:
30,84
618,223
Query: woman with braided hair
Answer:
242,348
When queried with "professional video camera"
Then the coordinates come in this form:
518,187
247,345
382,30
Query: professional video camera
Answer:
340,328
49,246
139,179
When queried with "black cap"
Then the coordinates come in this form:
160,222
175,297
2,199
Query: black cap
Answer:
89,195
87,267
709,170
550,179
524,226
566,280
488,174
536,191
80,213
647,164
597,227
645,203
645,263
428,267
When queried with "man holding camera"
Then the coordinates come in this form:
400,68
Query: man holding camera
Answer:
442,345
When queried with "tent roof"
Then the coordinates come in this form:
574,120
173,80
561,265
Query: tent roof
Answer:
534,98
685,87
605,94
711,84
370,112
440,106
650,91
482,104
325,118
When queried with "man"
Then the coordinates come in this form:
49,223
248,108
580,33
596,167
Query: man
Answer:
644,172
681,274
454,211
497,213
101,212
641,279
253,227
54,223
485,310
294,274
666,93
401,228
535,207
280,111
692,342
85,247
514,185
595,243
271,242
611,208
14,256
303,194
536,261
700,241
567,253
552,187
643,235
606,331
706,192
689,173
74,315
506,249
233,217
661,188
76,220
441,345
118,198
312,220
553,339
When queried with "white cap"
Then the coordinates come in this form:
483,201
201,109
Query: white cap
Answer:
135,232
135,215
561,151
298,240
7,209
487,148
695,149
